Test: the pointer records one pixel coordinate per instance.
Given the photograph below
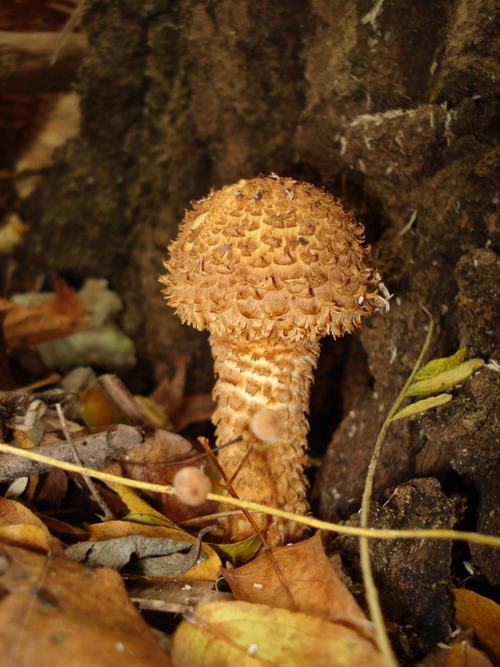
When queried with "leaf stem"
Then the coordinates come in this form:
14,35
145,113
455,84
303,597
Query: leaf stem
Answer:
371,592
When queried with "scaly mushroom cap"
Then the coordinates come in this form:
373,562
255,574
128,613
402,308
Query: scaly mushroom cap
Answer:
270,257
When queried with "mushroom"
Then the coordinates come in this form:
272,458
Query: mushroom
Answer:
268,265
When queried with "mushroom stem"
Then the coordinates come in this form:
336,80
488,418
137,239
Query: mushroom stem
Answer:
252,375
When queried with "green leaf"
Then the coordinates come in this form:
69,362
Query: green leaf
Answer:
422,406
437,366
446,380
243,550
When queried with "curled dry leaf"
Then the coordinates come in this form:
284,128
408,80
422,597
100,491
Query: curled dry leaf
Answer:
115,543
313,583
143,555
145,520
157,460
27,325
194,408
54,611
243,634
20,527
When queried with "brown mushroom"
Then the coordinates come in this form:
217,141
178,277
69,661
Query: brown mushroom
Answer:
269,266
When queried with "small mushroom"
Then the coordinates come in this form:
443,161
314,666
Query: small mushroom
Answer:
268,265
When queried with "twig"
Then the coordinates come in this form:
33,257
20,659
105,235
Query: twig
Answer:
188,460
371,533
107,513
372,597
94,450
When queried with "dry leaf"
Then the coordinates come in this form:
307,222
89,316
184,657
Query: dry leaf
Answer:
154,461
482,615
194,408
53,611
20,527
175,597
313,583
465,655
144,520
27,325
148,556
247,635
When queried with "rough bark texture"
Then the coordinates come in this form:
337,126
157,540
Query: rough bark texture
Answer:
391,106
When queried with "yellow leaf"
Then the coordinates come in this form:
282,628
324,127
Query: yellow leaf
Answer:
12,233
422,406
98,409
20,527
26,536
248,635
446,380
437,366
140,508
482,615
153,410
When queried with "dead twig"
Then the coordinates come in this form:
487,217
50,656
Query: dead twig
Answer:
94,451
107,514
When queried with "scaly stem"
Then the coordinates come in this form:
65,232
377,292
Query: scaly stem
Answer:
252,375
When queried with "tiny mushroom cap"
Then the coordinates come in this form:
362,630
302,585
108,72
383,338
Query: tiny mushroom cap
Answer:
271,257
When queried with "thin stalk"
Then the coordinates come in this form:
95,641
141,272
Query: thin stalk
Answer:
371,533
372,596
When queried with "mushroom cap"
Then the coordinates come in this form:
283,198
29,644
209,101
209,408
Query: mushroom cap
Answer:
270,257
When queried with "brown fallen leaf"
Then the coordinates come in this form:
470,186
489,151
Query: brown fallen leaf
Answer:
465,655
247,635
194,408
459,654
54,611
482,615
175,597
313,583
27,325
157,460
20,527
